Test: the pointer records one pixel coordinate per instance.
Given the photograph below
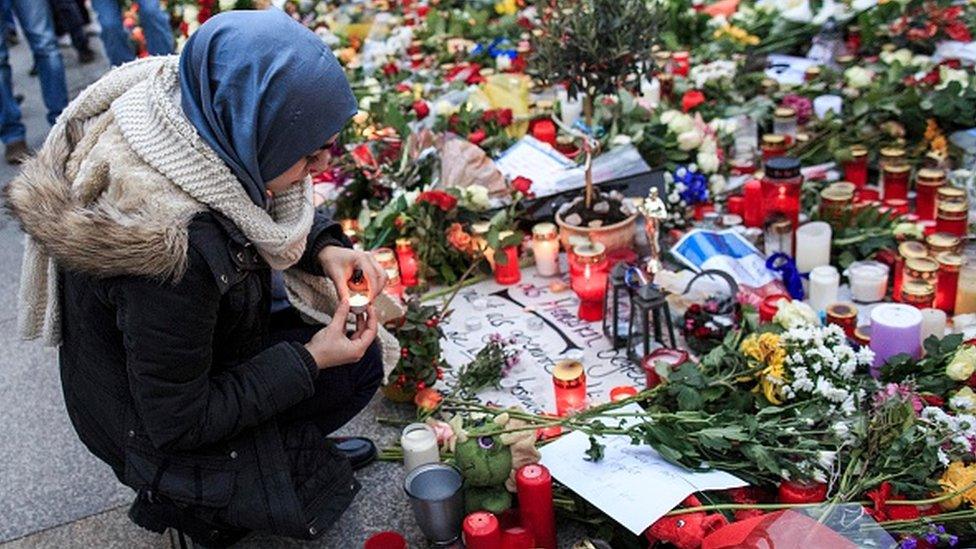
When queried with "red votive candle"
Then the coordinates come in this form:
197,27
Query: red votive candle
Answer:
952,218
781,187
517,537
770,306
672,357
544,129
947,281
735,205
622,393
843,315
897,205
407,261
856,169
927,183
569,382
481,531
895,181
752,211
588,278
509,273
868,194
534,485
906,250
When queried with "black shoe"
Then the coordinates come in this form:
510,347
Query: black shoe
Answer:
86,56
360,451
156,514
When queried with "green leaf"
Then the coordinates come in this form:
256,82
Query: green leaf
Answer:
595,451
689,399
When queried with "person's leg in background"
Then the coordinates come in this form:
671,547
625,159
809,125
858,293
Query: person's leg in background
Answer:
12,130
8,23
35,20
155,23
69,19
114,38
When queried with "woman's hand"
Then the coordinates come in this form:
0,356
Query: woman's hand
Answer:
331,347
338,264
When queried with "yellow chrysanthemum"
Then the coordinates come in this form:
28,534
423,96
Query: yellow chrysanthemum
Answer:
506,7
958,477
766,350
735,34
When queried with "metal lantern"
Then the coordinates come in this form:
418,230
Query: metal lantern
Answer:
616,306
647,304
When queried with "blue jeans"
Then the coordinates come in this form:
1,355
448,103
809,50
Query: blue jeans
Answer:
153,20
35,21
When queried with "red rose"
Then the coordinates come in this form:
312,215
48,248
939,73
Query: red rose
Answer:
504,117
522,184
403,87
421,108
489,116
957,31
691,99
453,122
444,201
390,69
933,400
477,136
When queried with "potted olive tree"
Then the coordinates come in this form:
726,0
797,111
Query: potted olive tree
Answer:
594,47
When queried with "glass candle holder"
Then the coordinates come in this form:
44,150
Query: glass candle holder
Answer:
966,291
784,123
895,181
889,156
943,242
856,169
358,292
770,306
569,383
773,146
419,445
952,218
662,60
868,281
921,268
843,315
933,323
545,248
906,251
897,206
824,283
622,392
407,261
834,203
672,358
588,278
812,73
862,335
681,63
918,293
387,260
781,189
350,228
508,273
947,281
927,184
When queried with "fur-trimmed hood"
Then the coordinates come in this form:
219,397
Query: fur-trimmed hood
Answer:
97,208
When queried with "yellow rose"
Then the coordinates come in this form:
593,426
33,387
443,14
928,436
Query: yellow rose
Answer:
964,400
963,364
956,478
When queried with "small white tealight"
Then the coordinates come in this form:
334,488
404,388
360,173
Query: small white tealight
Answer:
472,324
535,323
358,303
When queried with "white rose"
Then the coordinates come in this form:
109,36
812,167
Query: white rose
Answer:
707,161
793,314
445,108
959,370
476,197
620,140
689,140
679,123
226,5
902,56
947,75
921,60
190,14
360,117
858,77
716,183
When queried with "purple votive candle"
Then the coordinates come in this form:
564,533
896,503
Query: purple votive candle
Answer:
895,328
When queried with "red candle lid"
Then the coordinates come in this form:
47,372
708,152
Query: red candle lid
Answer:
534,472
480,523
386,540
622,392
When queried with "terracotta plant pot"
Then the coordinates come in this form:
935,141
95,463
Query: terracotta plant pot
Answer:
614,237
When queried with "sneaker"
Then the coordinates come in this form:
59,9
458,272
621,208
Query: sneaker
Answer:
16,152
87,56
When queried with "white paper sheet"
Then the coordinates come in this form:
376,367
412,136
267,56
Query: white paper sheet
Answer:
632,484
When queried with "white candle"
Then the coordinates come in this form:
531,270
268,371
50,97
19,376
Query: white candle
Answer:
812,246
569,109
419,445
650,90
824,281
869,280
545,248
933,323
823,104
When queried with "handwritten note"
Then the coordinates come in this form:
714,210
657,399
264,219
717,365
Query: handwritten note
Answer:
632,484
546,329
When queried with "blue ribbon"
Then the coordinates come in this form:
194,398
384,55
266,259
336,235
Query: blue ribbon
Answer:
696,185
786,266
496,48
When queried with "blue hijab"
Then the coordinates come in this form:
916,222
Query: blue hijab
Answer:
263,91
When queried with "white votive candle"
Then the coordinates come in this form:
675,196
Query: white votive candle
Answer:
933,323
570,110
545,248
812,246
419,445
869,280
824,282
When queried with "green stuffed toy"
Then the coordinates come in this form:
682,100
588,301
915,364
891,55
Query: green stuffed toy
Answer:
488,463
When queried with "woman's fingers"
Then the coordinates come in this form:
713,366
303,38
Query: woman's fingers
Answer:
339,277
373,272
